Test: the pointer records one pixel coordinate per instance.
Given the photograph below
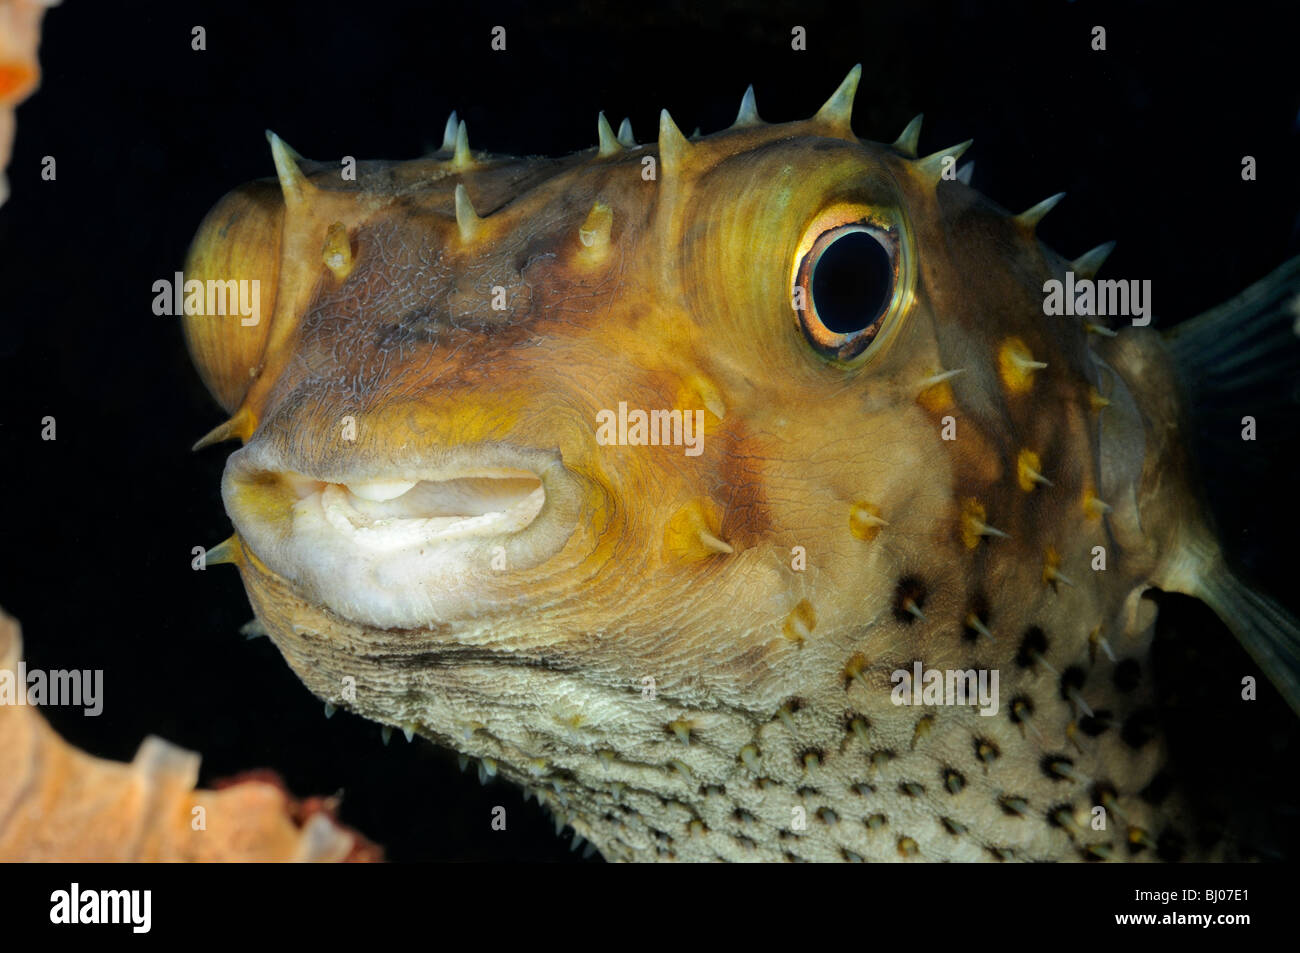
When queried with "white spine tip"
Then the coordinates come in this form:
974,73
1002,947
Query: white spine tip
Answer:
449,133
607,142
748,115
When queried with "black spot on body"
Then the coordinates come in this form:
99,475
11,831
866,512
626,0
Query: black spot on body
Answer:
979,608
985,750
953,780
1072,679
910,591
1097,723
1056,766
1032,645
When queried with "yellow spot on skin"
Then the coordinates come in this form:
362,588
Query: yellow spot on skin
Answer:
922,729
698,390
854,668
800,623
1016,366
693,531
1051,568
936,397
682,729
865,521
972,517
973,525
1095,401
907,847
594,232
337,251
1094,508
1029,470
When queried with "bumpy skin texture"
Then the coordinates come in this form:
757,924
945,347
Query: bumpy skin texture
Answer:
770,732
60,804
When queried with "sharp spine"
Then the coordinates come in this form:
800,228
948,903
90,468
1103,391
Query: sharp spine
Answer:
673,146
908,139
226,551
976,623
1089,263
449,133
293,184
940,378
461,158
712,542
932,166
625,137
748,115
467,220
608,143
838,110
236,428
1030,217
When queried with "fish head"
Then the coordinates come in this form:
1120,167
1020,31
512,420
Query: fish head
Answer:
613,462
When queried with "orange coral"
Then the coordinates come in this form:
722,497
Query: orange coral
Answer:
60,804
20,33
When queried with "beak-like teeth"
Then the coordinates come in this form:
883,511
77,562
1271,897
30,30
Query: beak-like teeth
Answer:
380,491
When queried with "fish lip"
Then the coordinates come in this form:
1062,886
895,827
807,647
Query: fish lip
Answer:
263,455
452,591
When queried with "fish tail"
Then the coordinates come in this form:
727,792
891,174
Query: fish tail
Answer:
1267,631
1240,365
1243,358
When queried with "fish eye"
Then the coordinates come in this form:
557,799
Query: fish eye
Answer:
845,280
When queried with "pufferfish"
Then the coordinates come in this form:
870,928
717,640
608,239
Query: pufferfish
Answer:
662,479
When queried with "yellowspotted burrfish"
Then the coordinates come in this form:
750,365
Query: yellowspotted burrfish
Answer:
747,496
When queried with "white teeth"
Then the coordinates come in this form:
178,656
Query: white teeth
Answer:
380,491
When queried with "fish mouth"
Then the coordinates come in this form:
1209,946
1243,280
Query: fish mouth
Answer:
408,544
388,514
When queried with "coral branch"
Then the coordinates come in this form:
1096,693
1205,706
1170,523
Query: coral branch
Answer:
58,803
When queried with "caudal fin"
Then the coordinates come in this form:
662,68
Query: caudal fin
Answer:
1242,358
1267,631
1240,364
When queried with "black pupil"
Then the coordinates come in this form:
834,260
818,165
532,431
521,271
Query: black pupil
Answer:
851,282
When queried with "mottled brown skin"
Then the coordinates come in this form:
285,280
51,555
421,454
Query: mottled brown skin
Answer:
689,306
60,804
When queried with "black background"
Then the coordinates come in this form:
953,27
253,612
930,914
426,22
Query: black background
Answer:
97,527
